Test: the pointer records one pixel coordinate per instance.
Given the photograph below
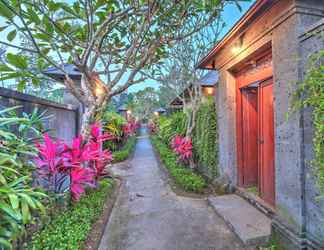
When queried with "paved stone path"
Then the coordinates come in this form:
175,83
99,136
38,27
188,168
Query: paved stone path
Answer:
148,215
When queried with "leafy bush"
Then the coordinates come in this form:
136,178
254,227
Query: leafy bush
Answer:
205,136
184,177
113,123
69,229
310,93
182,146
19,201
82,163
171,126
127,149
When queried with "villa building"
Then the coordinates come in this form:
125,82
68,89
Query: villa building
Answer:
261,143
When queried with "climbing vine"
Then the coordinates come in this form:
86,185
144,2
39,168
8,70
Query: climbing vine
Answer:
310,93
205,138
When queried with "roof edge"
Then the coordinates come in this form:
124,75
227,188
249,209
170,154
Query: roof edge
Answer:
249,14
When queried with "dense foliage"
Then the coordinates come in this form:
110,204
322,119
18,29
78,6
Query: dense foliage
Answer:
123,41
171,126
205,138
113,124
183,177
80,164
69,229
311,94
182,146
19,201
125,151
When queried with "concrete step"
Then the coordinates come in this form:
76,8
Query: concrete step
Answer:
248,223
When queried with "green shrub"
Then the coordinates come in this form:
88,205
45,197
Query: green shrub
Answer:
20,202
113,124
204,139
126,150
69,229
173,125
183,177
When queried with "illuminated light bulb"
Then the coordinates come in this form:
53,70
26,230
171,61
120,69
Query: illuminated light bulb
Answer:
236,49
210,91
99,91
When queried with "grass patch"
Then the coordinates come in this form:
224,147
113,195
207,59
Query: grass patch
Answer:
253,190
126,150
70,228
183,177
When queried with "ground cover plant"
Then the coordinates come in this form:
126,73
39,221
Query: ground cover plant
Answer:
70,228
125,151
183,177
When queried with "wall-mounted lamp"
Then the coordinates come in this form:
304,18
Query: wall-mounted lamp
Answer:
209,90
129,112
238,45
156,113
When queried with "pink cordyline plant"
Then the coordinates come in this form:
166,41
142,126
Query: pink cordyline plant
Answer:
130,128
153,128
182,146
83,162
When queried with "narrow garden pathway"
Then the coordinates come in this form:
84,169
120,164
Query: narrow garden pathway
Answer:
148,215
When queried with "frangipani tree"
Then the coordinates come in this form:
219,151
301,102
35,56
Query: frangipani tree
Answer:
113,43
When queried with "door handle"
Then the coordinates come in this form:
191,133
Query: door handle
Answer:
261,141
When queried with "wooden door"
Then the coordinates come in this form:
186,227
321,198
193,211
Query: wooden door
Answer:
250,136
266,142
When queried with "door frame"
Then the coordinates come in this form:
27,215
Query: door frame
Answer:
243,81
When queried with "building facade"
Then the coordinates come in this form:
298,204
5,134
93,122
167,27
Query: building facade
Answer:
261,143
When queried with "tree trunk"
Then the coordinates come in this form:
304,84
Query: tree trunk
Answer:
87,119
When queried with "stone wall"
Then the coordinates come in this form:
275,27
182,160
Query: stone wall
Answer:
63,123
311,41
285,29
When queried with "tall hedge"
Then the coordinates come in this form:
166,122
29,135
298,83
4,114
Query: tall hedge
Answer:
205,139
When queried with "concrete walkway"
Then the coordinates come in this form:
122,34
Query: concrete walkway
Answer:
149,216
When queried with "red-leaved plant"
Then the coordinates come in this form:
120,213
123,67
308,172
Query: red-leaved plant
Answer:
83,163
182,146
130,128
153,128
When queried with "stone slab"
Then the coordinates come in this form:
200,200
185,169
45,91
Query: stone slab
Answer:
247,222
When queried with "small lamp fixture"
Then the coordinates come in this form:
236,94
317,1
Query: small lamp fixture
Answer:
209,90
99,90
156,113
237,48
129,112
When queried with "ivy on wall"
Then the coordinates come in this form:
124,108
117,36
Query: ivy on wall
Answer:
205,139
310,93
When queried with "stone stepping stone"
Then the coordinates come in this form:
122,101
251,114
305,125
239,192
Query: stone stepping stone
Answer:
246,221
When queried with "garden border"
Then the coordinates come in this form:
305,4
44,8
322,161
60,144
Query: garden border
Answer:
94,237
177,189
